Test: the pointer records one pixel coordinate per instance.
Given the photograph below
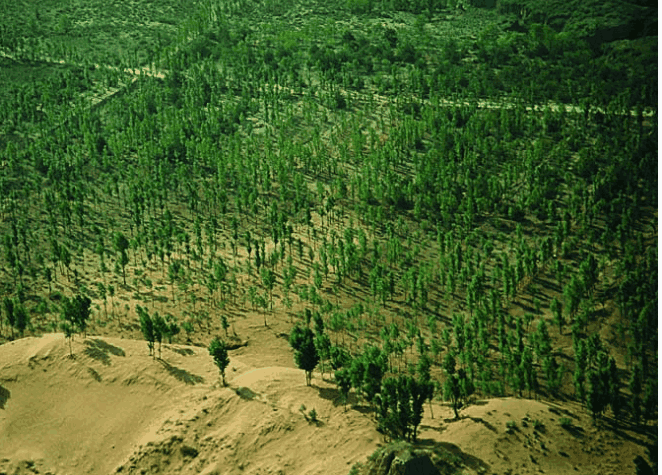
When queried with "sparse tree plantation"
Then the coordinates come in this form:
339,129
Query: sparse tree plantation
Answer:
433,202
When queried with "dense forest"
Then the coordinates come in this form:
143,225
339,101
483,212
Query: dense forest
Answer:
445,199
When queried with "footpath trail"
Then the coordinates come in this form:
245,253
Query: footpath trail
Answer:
135,73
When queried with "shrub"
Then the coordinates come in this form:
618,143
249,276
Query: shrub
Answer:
565,422
359,6
339,100
188,451
356,468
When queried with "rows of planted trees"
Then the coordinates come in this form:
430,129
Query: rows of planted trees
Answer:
419,197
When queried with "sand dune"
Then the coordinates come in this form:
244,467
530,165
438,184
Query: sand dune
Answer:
113,405
113,408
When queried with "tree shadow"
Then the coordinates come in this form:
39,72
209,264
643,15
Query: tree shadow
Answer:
182,351
4,396
160,298
316,422
484,422
246,393
547,284
181,374
363,409
101,350
563,355
95,374
234,343
333,394
440,429
559,411
621,428
524,306
575,431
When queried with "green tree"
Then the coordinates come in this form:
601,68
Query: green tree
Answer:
425,379
615,400
597,395
572,295
400,405
323,345
357,374
220,274
589,274
188,328
68,331
636,388
111,294
269,280
224,324
374,367
339,358
344,382
419,391
160,330
174,270
579,376
219,352
147,328
76,312
557,312
302,340
102,292
121,244
394,407
650,401
173,327
82,311
8,305
542,341
48,275
452,388
554,374
21,318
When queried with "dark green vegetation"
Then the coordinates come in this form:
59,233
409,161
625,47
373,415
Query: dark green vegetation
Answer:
93,31
408,459
306,356
219,352
469,188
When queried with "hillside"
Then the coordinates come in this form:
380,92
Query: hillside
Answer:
112,408
418,202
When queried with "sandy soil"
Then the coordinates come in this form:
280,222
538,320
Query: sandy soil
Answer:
113,408
113,405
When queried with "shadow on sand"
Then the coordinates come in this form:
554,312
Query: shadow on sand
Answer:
181,351
181,374
484,422
101,350
333,394
4,396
